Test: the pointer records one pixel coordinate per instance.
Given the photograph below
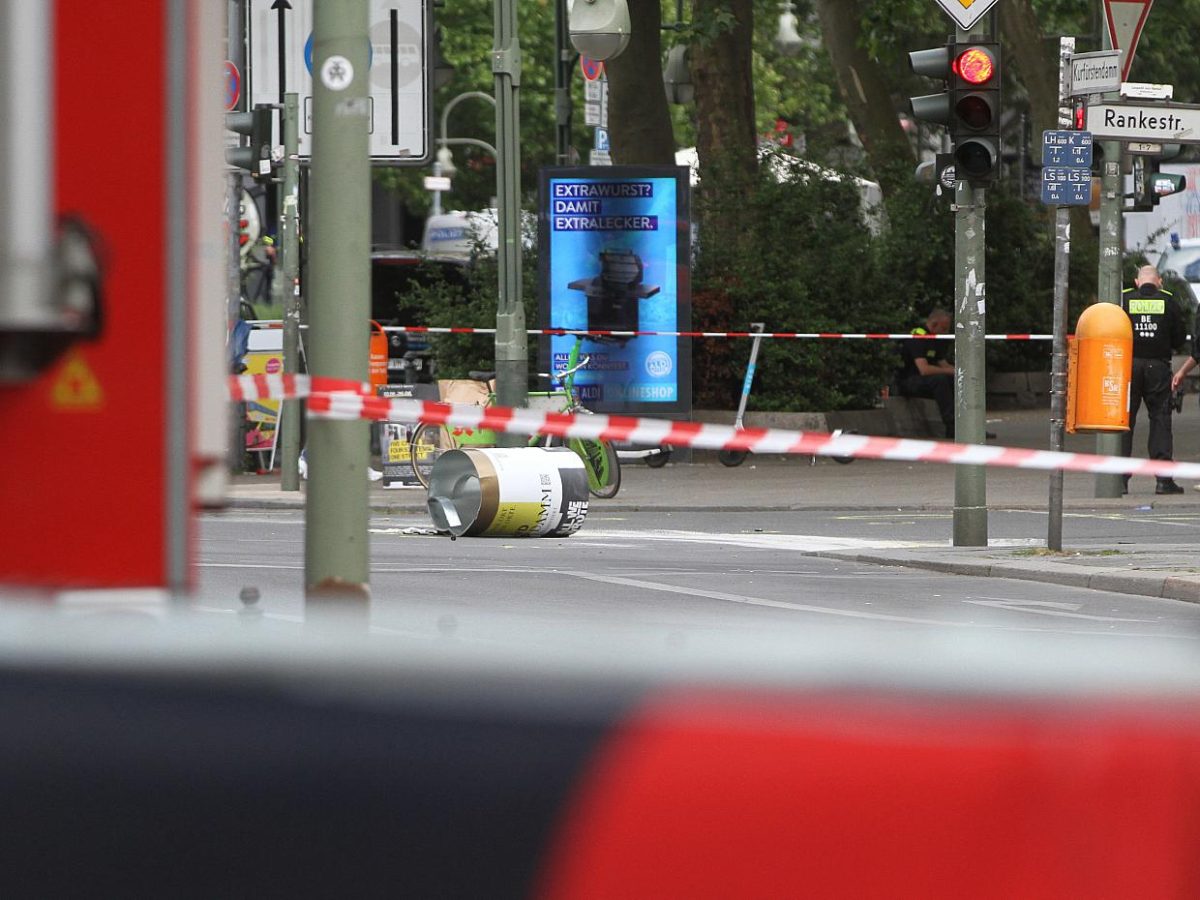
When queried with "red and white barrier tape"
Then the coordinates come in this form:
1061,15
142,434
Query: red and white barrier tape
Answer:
788,335
289,387
350,400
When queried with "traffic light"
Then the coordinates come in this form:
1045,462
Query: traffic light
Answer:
975,110
254,157
932,63
1150,185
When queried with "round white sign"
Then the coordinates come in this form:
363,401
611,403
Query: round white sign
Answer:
337,73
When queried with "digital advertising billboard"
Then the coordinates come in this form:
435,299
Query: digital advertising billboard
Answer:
614,256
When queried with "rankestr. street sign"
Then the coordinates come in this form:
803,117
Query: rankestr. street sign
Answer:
1169,123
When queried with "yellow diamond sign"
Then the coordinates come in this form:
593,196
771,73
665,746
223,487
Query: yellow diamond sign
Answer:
966,12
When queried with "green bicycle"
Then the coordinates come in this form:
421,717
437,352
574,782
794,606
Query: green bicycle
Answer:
600,461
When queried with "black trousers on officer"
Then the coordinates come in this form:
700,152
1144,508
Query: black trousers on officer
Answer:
1151,382
934,387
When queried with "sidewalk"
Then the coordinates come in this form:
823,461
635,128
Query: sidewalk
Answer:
775,483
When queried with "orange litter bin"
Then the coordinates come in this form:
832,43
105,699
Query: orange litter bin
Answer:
1100,366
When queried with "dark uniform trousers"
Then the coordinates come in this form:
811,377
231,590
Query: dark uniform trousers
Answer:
1151,382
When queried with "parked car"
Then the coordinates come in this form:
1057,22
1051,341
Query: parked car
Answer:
1183,258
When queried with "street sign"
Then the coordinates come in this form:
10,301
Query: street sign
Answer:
1095,73
592,69
1066,168
1170,123
1066,186
1140,148
965,12
1125,19
1067,148
1140,90
437,183
233,86
399,70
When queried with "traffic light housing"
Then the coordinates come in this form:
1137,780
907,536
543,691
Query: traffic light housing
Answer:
254,157
975,110
1150,185
932,63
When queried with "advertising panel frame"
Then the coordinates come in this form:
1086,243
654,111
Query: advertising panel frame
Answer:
660,268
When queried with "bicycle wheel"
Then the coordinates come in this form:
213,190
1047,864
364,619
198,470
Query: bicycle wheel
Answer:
603,466
659,459
426,440
732,458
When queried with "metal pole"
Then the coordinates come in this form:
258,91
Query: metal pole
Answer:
970,484
1108,280
562,84
289,258
336,540
1058,366
233,296
512,365
970,394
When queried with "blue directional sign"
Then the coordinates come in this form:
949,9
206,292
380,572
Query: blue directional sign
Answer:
1066,185
1066,148
1066,168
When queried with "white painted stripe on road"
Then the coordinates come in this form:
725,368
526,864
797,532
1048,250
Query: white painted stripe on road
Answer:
1049,608
809,543
762,601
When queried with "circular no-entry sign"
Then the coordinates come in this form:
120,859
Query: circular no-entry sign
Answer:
592,69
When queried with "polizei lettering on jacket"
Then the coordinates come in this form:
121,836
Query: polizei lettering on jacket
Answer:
1114,118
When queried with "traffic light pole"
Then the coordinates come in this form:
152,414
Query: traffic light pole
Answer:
512,364
1108,284
970,482
1108,279
970,395
289,258
1059,362
338,288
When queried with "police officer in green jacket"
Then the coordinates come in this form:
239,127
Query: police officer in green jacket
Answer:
1158,331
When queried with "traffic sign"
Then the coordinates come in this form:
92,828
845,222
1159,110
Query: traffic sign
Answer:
592,69
233,86
1171,123
1125,19
1067,148
965,12
1095,73
1140,90
399,63
1066,186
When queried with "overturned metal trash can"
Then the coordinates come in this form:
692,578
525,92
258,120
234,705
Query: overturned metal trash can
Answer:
514,491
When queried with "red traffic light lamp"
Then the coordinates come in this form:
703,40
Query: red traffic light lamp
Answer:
975,110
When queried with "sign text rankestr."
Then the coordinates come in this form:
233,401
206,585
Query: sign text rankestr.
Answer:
1114,118
1165,123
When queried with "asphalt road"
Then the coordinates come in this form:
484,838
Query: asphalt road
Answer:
661,581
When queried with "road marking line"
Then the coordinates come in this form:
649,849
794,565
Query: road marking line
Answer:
1049,608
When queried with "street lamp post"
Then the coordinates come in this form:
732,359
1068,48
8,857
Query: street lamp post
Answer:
444,164
512,366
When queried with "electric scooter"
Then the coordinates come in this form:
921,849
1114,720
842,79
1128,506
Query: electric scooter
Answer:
737,457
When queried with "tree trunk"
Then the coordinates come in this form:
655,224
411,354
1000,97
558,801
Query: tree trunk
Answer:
1035,59
726,143
639,121
864,90
721,73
